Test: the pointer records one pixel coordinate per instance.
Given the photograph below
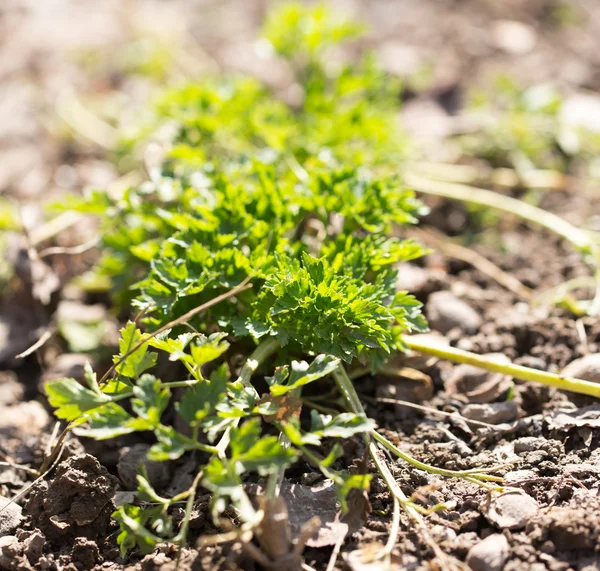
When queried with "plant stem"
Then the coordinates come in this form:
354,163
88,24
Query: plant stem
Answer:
353,400
516,371
581,239
347,389
262,352
349,392
467,474
185,524
467,193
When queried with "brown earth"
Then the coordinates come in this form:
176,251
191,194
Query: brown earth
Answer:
548,441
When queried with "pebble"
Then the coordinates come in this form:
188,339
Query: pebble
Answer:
25,418
492,413
11,515
520,475
7,540
511,510
11,390
490,554
581,111
586,368
159,473
513,37
478,385
445,312
411,278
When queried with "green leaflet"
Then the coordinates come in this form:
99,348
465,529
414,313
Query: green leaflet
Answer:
138,361
70,399
302,373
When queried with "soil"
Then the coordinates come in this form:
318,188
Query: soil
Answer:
547,441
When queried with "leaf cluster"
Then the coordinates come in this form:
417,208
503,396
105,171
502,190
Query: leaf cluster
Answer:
300,200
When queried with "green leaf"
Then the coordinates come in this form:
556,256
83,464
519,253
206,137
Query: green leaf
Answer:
199,401
171,445
250,452
140,360
348,482
174,347
117,386
109,421
90,378
207,349
302,373
146,492
132,521
344,425
71,399
150,399
296,437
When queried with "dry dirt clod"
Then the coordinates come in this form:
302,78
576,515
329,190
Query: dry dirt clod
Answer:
11,516
511,510
9,552
570,528
33,546
159,473
445,311
76,502
85,553
492,413
489,554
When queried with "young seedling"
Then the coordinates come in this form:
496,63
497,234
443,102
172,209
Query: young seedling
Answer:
262,255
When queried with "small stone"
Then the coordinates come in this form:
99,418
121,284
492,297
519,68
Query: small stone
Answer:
11,391
25,418
490,554
411,278
513,37
492,413
478,385
445,311
11,516
520,475
586,368
7,540
581,111
159,473
511,510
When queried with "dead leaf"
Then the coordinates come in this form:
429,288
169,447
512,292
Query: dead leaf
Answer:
359,508
285,406
305,502
586,417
